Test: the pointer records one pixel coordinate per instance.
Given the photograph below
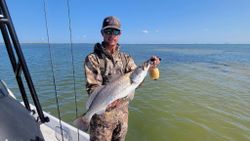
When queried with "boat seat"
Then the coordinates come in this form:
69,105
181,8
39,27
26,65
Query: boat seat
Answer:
16,122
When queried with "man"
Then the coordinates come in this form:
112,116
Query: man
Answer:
100,66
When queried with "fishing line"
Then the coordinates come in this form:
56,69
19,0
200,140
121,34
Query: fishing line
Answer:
52,67
72,59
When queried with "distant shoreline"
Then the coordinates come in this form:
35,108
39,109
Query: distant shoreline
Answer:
155,43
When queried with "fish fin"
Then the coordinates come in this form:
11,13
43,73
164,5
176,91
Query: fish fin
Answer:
92,96
131,95
82,123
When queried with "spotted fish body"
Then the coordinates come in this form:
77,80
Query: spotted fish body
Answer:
123,86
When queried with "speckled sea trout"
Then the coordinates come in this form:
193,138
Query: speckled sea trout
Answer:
123,86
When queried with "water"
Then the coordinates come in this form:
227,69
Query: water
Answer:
203,93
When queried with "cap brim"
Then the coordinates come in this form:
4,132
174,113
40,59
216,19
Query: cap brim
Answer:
115,27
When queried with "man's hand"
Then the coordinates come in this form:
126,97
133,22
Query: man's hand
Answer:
155,60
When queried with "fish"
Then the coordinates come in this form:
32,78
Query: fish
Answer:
121,87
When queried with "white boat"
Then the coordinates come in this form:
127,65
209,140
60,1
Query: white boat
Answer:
51,131
22,121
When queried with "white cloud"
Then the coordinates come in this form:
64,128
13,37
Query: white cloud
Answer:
84,36
156,30
145,31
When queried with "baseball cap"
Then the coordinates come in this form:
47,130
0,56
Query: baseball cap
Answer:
111,22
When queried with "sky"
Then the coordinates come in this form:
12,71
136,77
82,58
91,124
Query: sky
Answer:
142,21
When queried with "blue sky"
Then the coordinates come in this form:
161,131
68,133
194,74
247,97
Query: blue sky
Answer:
143,21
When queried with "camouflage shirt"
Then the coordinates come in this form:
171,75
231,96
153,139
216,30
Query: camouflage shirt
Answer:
101,65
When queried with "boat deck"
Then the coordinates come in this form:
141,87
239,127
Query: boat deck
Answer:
52,132
47,133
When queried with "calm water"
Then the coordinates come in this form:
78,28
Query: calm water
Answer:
203,93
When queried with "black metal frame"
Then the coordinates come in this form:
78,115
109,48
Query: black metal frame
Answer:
17,59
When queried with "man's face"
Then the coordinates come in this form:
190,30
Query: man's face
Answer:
111,36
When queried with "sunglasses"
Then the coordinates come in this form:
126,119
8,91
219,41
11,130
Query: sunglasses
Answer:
111,31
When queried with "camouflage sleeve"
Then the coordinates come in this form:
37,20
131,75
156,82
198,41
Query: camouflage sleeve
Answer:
130,64
92,73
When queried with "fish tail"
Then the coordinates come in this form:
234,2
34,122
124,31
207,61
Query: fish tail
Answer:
82,123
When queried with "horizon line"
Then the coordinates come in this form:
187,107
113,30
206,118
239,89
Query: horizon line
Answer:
123,43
